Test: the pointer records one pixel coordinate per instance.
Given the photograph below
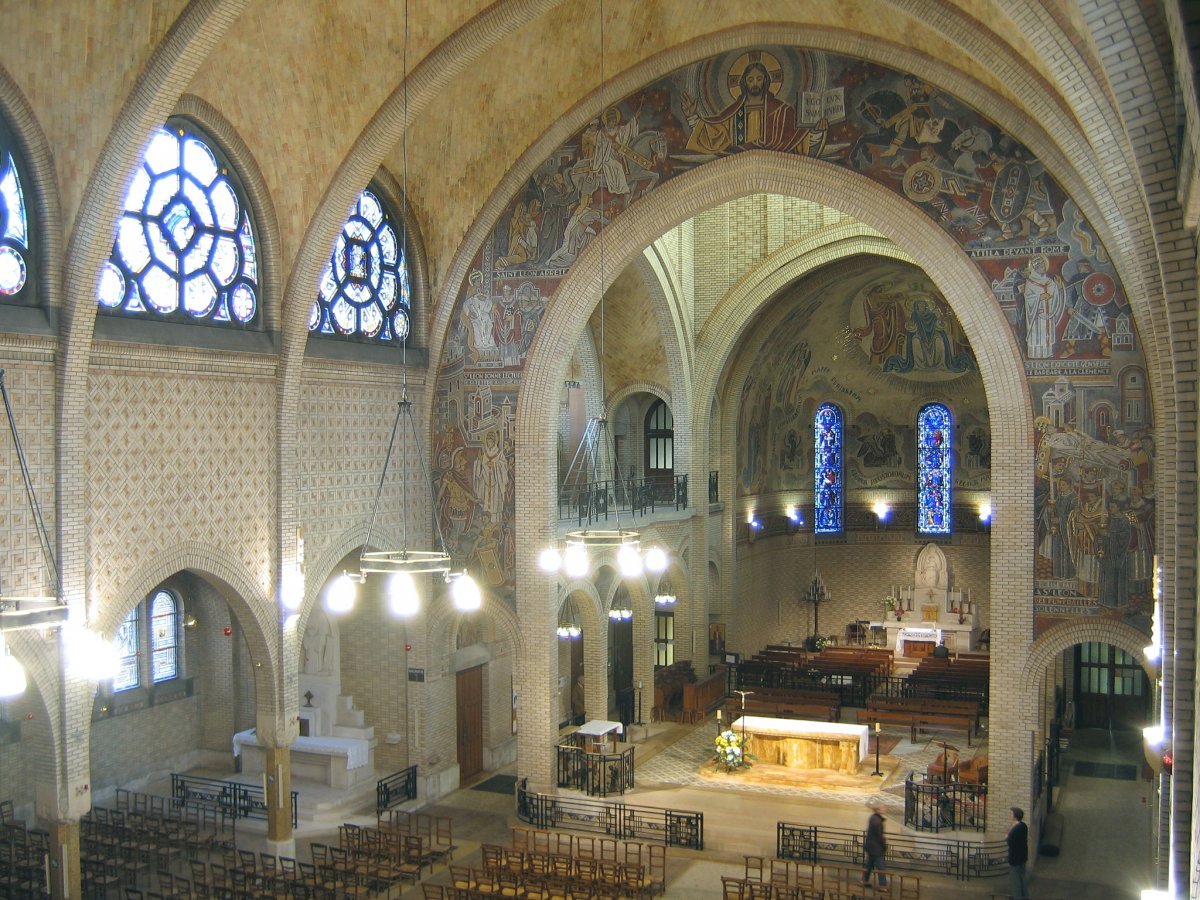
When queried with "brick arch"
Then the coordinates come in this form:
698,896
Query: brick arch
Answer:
894,219
1055,640
623,393
440,625
173,64
251,604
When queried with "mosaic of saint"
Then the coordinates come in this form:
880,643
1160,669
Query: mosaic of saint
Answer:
1050,275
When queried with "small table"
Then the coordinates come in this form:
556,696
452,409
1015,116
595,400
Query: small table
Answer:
593,736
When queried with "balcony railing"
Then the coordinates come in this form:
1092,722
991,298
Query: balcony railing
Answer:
595,501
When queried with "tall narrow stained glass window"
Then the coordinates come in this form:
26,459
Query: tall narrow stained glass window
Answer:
185,246
126,643
934,433
14,226
364,289
164,637
828,494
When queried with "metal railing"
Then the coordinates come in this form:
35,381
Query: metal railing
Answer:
396,788
673,827
596,774
594,501
960,859
241,801
934,807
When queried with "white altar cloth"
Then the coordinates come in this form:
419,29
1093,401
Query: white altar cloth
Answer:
803,728
355,750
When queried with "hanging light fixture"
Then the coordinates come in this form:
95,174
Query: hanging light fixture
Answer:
665,595
568,623
573,558
404,564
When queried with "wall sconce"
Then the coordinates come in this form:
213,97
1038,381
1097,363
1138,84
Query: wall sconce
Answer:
882,511
795,521
753,527
1158,756
620,615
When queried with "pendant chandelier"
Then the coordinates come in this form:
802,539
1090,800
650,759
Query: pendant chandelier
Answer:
403,565
574,556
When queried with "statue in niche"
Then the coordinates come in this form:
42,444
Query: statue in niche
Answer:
930,575
319,646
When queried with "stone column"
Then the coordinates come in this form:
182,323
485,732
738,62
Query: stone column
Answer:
65,875
281,840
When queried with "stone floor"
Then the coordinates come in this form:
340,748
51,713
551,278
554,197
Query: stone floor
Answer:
1105,854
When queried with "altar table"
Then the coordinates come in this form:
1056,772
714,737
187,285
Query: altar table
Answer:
335,761
804,745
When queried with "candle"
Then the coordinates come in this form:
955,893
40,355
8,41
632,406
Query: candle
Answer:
877,728
639,685
718,715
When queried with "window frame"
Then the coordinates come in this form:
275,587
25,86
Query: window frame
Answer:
821,514
923,466
182,129
401,229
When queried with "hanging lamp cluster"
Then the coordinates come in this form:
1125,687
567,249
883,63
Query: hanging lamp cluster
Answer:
404,565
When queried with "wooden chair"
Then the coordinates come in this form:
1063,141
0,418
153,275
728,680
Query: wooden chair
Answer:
753,868
732,888
656,870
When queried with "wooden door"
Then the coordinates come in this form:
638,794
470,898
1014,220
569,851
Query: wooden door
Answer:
469,705
620,648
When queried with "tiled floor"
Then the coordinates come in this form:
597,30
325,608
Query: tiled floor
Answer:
1105,855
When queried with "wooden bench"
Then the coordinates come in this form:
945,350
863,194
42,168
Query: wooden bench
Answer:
915,721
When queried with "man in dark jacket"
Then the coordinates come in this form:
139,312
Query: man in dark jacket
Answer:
1018,854
875,847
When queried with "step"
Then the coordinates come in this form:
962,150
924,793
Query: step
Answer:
361,732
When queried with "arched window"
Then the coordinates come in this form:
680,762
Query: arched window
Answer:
14,222
185,246
364,290
934,433
164,637
659,444
126,643
828,494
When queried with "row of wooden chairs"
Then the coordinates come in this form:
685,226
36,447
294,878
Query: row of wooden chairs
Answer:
578,846
612,881
424,850
786,877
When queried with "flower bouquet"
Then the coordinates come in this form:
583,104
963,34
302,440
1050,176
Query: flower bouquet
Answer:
730,751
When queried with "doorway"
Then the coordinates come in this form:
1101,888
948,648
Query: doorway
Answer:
1110,689
469,712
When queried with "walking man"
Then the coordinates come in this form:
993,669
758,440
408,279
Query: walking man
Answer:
875,846
1018,854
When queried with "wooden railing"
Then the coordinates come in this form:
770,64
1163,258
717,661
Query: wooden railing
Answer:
702,697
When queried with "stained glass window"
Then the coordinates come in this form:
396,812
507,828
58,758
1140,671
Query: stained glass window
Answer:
185,244
164,632
933,469
364,289
126,643
14,224
829,499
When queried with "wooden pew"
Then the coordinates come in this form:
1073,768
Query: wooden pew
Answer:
702,697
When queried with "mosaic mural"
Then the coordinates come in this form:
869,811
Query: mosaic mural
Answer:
1050,275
